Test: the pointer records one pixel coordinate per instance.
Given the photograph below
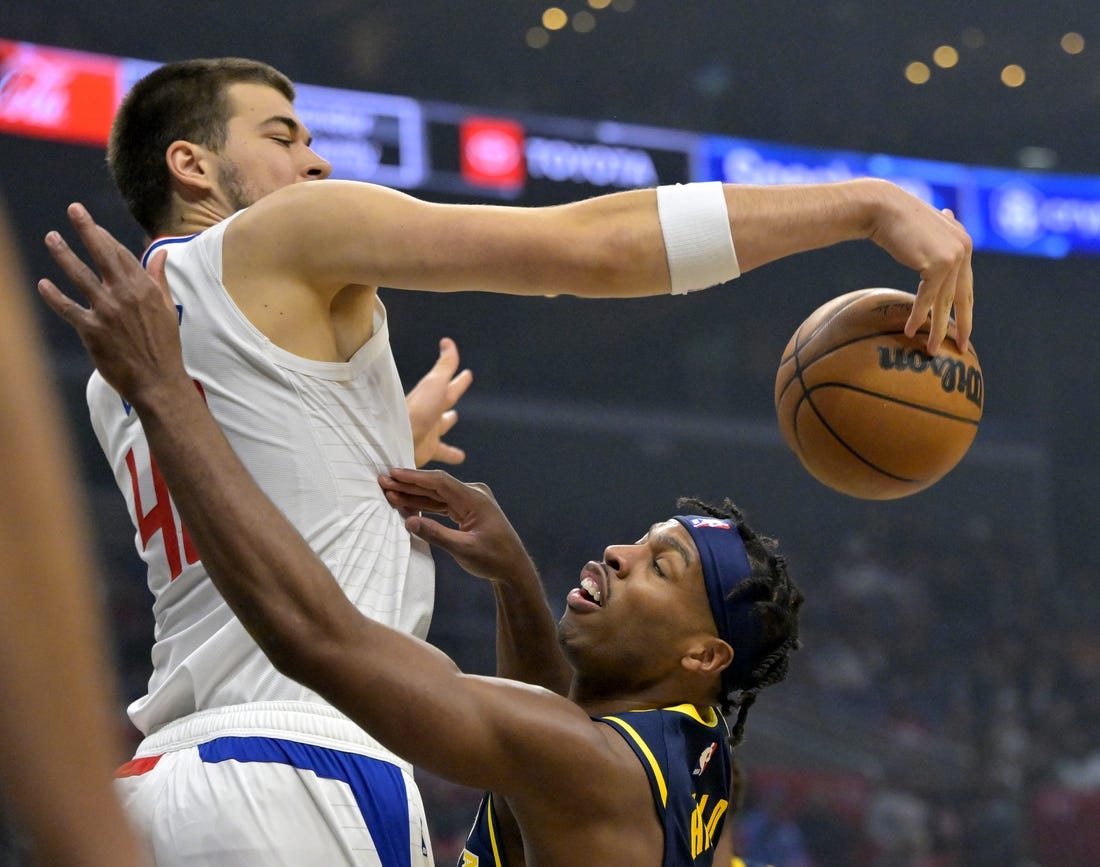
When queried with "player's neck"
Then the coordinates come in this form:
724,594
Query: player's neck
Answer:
189,218
597,702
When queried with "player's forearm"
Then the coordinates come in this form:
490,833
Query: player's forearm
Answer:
266,572
280,590
527,634
621,245
769,223
400,689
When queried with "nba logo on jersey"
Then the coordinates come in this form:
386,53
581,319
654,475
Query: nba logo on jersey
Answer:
710,523
704,759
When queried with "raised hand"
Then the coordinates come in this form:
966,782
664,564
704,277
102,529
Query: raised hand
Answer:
486,545
483,542
130,327
431,407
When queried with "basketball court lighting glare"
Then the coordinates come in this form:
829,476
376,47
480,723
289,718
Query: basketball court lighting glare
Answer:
1073,43
917,72
537,37
554,18
584,22
1013,75
945,56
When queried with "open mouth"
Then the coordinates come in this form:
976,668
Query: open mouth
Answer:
590,590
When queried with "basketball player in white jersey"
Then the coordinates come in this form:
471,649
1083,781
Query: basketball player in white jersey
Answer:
275,282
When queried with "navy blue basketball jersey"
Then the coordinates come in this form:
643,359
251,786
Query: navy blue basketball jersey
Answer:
687,759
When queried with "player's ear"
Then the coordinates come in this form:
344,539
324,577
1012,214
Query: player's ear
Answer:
710,655
189,165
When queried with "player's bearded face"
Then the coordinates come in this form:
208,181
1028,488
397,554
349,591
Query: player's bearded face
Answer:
236,190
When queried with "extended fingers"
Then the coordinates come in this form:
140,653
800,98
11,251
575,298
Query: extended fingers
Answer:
447,421
921,307
458,386
435,533
941,311
418,490
82,277
933,300
109,255
964,308
415,503
948,282
60,303
448,454
962,284
447,363
436,482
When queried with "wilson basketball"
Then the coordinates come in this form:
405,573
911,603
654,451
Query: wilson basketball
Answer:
867,411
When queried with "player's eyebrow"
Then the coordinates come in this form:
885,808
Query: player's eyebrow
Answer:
663,537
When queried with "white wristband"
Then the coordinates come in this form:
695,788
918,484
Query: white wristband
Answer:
698,241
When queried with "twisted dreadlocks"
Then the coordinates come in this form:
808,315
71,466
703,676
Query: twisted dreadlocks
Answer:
775,601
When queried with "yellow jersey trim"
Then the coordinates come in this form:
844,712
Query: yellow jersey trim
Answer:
710,719
637,738
492,831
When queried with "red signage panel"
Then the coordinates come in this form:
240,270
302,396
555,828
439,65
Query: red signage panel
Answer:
57,94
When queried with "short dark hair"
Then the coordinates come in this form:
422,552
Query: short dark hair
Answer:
185,100
776,602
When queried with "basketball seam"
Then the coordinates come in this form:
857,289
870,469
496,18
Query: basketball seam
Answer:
798,346
806,397
941,413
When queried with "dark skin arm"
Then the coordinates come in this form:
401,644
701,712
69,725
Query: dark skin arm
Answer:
58,727
485,544
519,740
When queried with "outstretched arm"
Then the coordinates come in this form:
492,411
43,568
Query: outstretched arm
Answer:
500,734
485,544
332,233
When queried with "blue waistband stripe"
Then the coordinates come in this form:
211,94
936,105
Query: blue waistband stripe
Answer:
378,786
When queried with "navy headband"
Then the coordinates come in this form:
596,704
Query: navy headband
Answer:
725,566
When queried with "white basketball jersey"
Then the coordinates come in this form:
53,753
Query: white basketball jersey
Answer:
315,435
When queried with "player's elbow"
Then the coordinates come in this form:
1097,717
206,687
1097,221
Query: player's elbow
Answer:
298,643
615,261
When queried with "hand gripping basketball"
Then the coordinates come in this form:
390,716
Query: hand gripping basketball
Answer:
866,409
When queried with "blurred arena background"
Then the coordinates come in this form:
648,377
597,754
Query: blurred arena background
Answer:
945,710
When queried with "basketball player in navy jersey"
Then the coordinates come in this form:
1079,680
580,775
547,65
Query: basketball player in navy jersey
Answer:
528,651
664,635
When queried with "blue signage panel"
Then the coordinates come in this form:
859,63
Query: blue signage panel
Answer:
1029,213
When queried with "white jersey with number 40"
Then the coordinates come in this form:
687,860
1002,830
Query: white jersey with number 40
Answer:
315,435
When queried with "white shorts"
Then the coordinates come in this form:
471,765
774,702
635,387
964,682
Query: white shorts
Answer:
260,795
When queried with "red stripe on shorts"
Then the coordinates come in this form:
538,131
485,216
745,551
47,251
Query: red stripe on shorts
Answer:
137,767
